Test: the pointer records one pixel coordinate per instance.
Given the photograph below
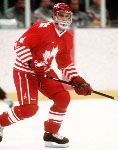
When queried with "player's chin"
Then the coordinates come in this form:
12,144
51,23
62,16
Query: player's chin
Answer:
61,27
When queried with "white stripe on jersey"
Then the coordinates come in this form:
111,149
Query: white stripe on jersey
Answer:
72,76
25,60
19,49
18,58
20,64
24,51
23,69
69,71
70,68
25,55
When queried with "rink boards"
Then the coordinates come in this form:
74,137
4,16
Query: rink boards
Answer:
95,58
73,95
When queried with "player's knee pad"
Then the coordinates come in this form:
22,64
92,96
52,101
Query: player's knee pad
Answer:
25,111
62,99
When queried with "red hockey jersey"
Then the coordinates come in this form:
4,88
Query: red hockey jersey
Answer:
42,43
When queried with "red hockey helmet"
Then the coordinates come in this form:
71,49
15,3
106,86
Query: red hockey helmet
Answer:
61,7
62,15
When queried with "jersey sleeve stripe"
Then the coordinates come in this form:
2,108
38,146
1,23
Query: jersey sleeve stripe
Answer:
19,49
23,56
67,68
72,76
25,60
24,51
23,69
19,61
18,58
23,64
70,71
20,64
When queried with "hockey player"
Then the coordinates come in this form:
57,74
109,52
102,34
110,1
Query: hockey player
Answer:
35,50
4,98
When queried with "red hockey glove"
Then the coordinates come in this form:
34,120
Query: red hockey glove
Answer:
85,88
39,71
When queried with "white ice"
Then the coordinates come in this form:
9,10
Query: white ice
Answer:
89,125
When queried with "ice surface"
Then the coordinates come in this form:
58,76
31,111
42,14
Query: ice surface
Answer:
89,124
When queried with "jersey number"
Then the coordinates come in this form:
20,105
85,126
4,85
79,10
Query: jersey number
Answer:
44,24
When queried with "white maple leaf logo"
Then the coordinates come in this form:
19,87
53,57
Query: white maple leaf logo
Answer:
49,54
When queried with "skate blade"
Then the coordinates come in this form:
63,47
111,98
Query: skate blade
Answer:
55,145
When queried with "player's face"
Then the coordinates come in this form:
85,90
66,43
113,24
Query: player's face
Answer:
64,17
63,20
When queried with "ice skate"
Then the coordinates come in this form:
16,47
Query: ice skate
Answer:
1,133
55,140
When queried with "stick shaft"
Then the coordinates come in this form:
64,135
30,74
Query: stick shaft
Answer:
102,94
74,85
62,81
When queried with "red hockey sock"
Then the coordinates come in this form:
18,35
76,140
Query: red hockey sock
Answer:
17,113
51,127
55,119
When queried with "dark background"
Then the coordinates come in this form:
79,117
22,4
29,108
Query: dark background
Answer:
112,6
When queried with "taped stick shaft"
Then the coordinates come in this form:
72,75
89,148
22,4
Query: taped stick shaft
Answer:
74,85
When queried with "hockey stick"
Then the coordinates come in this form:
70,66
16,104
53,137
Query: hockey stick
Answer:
74,85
